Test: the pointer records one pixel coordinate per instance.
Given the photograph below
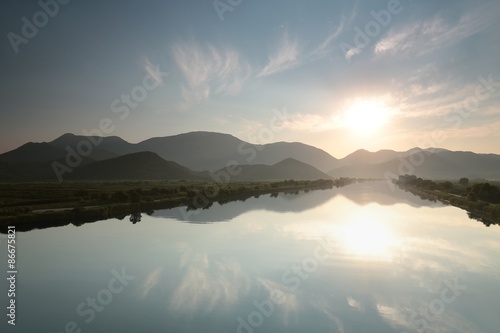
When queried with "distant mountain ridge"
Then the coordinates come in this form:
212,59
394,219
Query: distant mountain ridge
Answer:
429,163
208,151
287,169
195,150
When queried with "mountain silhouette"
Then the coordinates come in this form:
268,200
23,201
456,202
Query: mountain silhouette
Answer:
209,151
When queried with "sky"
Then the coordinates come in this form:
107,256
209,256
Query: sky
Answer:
339,75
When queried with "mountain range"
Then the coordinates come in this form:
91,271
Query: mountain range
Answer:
198,155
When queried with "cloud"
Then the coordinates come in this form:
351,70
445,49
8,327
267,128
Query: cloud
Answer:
312,122
437,92
441,99
324,48
486,130
288,53
207,70
427,36
285,57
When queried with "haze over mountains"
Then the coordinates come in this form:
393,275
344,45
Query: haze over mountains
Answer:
191,155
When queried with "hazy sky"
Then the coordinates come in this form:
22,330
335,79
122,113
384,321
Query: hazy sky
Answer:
343,74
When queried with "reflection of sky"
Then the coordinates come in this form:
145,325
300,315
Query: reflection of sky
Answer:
388,262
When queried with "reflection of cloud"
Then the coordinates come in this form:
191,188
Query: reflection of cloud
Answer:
441,255
404,316
354,304
208,283
287,309
150,282
299,301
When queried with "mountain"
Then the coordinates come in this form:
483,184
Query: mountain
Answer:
286,169
136,166
111,144
430,164
212,151
208,151
363,156
197,151
274,152
33,152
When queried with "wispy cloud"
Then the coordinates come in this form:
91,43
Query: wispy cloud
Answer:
436,93
426,36
285,57
487,130
324,48
288,54
207,70
312,122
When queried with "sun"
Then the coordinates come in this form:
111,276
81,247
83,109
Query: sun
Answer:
366,115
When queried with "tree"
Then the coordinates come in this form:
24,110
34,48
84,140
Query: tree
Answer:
464,181
484,192
447,185
135,217
135,197
119,196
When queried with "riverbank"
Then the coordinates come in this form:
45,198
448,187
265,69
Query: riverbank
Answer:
45,205
446,192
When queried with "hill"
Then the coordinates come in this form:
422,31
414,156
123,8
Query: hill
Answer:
286,169
208,151
429,164
197,151
136,166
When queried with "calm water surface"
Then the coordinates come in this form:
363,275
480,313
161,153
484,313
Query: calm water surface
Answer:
357,259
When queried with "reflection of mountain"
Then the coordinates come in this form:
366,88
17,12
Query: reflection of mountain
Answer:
360,193
382,193
283,203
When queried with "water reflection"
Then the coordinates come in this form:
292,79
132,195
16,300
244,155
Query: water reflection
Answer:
360,193
340,263
207,284
367,237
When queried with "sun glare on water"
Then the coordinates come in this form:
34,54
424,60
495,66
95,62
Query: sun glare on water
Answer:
366,237
365,116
